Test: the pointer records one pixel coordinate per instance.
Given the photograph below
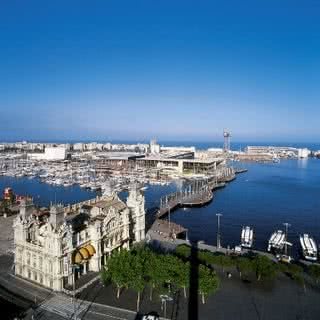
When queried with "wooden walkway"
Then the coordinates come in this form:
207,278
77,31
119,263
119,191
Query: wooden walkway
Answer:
197,194
192,200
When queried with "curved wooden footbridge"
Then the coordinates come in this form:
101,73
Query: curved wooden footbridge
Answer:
198,193
180,201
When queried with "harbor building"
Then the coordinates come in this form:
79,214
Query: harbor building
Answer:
285,151
181,165
57,246
50,154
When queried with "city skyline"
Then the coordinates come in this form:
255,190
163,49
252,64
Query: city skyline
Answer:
124,71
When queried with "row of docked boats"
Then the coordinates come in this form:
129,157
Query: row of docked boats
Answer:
278,242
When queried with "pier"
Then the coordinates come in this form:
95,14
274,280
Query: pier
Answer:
183,199
198,193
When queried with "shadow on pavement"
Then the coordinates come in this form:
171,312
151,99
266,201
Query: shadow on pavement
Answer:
193,283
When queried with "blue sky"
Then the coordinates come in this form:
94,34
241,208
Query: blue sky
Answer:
174,70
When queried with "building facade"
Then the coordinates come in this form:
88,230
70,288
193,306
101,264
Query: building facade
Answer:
56,247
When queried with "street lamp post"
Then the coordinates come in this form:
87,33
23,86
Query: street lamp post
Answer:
218,231
287,225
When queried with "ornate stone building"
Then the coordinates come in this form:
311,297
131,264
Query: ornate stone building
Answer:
56,246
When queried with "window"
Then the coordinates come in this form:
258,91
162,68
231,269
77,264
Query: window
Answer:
41,279
40,263
74,240
28,258
29,274
35,276
34,258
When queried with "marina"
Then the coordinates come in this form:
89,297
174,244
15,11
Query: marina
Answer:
255,198
264,197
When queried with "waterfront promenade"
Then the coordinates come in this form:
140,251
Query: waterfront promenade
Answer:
281,298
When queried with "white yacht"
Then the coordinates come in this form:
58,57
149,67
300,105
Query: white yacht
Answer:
246,237
277,240
309,247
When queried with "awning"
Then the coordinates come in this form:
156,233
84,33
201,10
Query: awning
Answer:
77,258
85,253
90,249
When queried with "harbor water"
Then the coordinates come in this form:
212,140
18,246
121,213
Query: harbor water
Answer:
265,197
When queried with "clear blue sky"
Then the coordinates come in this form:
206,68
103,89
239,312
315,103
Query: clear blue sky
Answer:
175,70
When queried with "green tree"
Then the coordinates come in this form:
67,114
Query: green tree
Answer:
137,274
208,282
224,261
119,269
105,277
154,272
244,265
182,279
183,251
170,269
207,257
264,267
314,271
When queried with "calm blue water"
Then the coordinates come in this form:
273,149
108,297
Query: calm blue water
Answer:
43,193
265,197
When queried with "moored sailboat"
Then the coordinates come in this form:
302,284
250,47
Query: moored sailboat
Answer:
309,247
276,240
247,237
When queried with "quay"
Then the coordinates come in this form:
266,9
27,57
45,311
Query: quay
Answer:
170,243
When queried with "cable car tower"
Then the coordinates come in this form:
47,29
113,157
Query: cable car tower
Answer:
226,143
